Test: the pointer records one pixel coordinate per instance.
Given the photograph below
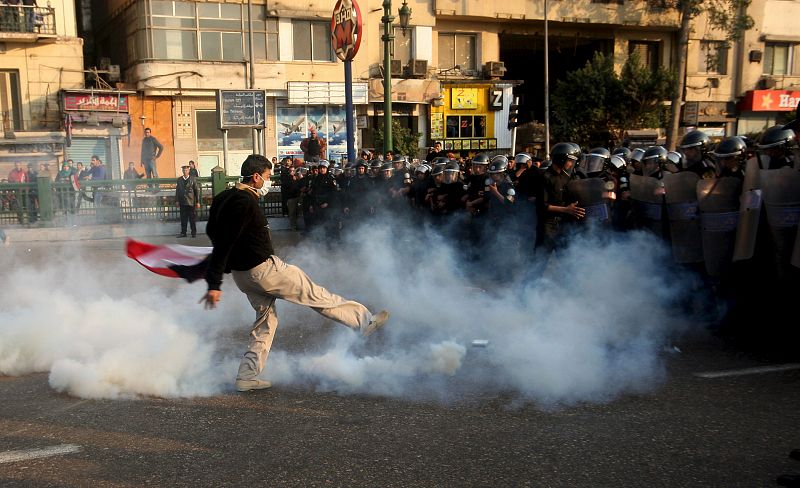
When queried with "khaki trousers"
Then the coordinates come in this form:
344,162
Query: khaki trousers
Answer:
275,279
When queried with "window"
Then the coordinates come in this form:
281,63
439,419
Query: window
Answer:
265,35
172,14
174,44
647,52
778,58
10,100
458,50
713,57
216,44
312,41
466,126
401,47
174,30
205,31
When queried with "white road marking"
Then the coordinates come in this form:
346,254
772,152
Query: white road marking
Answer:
27,454
747,371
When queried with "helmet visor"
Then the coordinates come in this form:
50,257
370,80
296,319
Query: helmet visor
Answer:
595,163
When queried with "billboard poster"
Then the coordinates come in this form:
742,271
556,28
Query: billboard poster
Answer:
292,129
295,122
316,119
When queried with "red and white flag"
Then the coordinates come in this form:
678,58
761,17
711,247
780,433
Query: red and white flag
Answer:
173,260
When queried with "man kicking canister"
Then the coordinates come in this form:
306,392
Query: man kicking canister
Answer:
242,244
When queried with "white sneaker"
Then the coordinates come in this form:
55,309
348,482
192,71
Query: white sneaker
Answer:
254,384
376,323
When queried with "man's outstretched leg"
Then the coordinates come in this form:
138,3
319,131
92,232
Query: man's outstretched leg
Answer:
292,284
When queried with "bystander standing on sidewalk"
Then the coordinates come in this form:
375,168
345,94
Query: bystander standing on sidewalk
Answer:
187,196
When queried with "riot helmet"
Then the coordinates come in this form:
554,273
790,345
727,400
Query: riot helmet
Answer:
439,160
622,152
635,161
375,168
387,170
617,161
451,172
499,164
696,138
361,167
597,160
479,164
563,152
777,144
523,158
694,145
675,162
399,162
323,163
776,136
437,170
481,158
734,146
731,154
653,160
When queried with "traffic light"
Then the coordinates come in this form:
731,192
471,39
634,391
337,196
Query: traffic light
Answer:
513,116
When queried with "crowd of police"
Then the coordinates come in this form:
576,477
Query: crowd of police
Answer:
729,211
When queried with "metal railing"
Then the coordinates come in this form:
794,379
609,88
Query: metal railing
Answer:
27,18
53,204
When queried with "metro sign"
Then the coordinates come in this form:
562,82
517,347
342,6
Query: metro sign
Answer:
346,29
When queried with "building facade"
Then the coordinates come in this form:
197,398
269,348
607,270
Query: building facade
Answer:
40,55
456,69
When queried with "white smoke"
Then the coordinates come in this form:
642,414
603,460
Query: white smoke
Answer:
588,326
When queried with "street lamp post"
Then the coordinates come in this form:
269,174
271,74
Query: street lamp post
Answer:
388,40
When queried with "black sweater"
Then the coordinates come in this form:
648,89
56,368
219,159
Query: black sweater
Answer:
239,232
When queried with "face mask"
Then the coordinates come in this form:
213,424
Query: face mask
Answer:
264,188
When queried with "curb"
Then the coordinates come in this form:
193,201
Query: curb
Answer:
81,232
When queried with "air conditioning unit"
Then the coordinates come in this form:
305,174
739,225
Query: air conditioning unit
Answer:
419,67
494,69
397,67
113,72
766,83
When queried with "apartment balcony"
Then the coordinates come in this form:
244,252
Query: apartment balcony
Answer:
24,23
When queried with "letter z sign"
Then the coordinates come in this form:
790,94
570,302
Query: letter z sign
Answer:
495,99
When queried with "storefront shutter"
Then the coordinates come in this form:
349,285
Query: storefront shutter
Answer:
83,148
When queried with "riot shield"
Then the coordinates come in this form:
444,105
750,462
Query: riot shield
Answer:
592,196
781,192
718,201
749,212
647,202
680,194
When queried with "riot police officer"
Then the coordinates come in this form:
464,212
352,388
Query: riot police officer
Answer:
559,207
357,206
731,153
696,146
324,201
776,147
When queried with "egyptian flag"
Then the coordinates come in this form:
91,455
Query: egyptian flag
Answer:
173,260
